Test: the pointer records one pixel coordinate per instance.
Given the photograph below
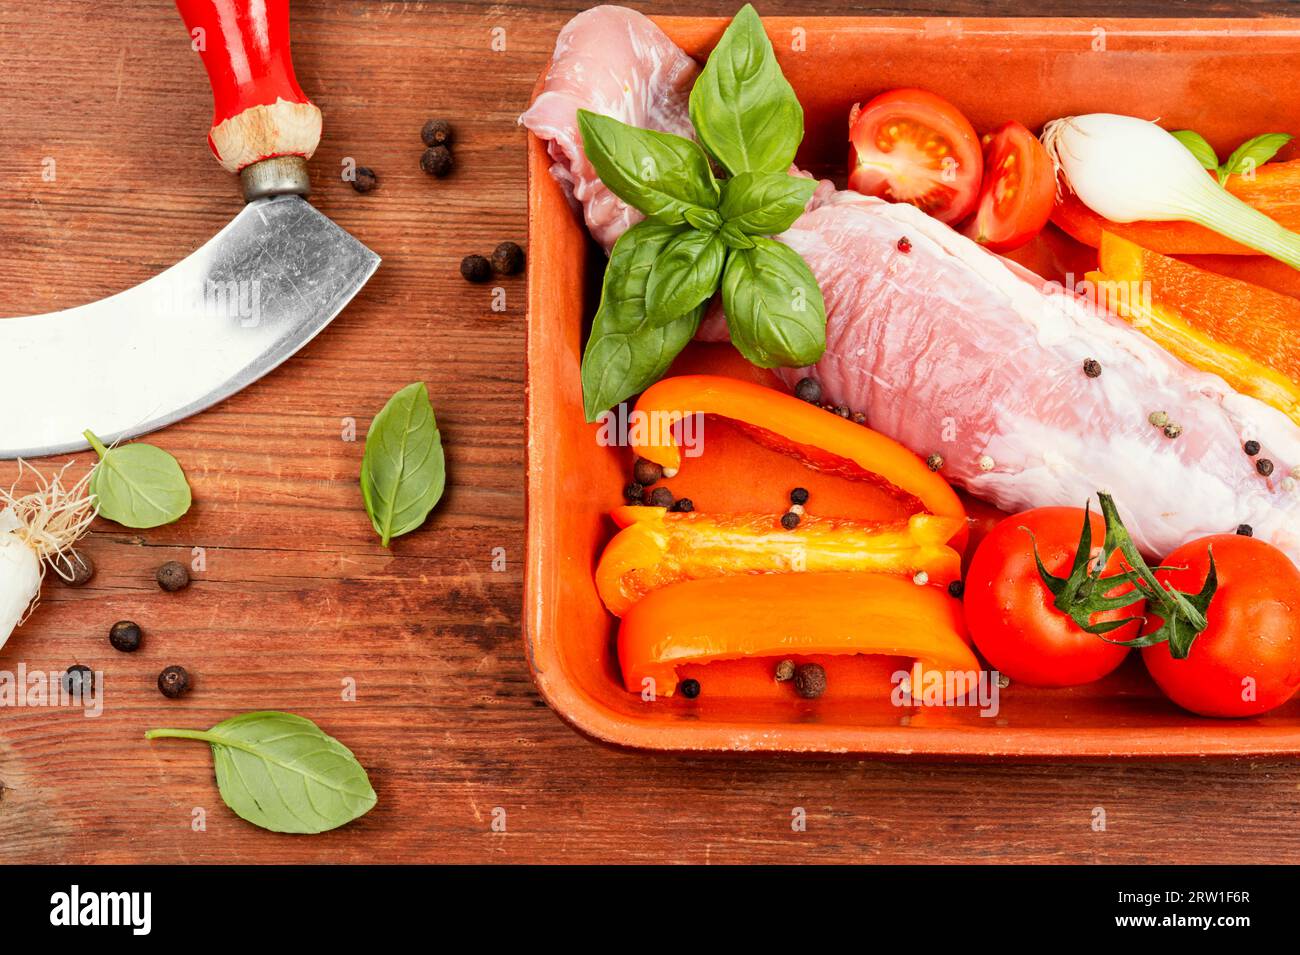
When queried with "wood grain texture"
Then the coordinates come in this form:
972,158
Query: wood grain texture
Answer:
297,596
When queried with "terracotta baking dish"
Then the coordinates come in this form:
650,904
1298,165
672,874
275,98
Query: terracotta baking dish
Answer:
1228,79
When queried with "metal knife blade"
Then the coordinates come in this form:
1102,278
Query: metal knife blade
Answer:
215,322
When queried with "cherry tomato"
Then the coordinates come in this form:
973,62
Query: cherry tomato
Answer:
1010,612
1018,192
1247,661
913,146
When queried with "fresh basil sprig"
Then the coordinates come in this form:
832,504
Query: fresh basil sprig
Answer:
138,485
1249,155
403,470
702,233
283,772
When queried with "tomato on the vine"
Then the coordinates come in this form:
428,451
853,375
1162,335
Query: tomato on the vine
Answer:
1012,615
1247,659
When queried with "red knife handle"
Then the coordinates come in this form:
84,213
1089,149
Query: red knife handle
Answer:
259,110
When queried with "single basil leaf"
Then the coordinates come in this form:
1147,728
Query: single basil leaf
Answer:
283,772
663,175
138,485
734,238
1198,146
685,274
765,203
1252,154
775,310
403,470
743,108
625,353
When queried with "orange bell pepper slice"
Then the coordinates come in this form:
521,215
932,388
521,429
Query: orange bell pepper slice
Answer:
732,618
657,548
1248,335
818,436
1274,191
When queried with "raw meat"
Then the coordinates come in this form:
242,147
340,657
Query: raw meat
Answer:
953,350
613,61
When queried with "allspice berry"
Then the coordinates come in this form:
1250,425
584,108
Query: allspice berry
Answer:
475,268
785,671
508,258
646,472
810,680
365,179
173,576
126,636
78,567
174,681
437,132
437,161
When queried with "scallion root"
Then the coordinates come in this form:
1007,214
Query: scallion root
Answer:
52,518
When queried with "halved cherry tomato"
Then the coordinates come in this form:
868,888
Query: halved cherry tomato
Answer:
1019,189
1247,661
912,146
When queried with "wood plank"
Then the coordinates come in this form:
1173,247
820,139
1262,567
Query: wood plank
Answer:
297,596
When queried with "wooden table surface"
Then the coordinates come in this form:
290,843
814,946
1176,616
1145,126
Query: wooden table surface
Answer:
297,598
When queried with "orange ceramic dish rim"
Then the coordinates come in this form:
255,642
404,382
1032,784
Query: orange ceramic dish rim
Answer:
557,246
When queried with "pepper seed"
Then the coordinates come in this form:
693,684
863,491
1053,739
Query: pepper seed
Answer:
956,589
125,635
810,680
785,671
1264,466
690,688
173,682
80,569
789,520
475,268
646,472
1158,419
799,496
662,497
634,493
1245,530
1251,448
986,463
934,462
364,180
437,161
1092,368
173,576
1172,430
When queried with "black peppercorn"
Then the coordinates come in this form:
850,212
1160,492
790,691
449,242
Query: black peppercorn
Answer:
174,681
690,688
1251,448
125,635
684,506
437,161
508,258
475,268
809,680
808,390
78,567
437,132
789,520
646,472
1264,466
365,179
1245,530
78,680
633,493
799,496
956,589
173,576
843,411
662,497
1092,368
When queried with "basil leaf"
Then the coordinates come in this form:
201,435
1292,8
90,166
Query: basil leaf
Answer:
743,108
775,310
283,772
1252,153
1198,146
734,238
403,470
625,353
684,275
764,203
663,175
138,485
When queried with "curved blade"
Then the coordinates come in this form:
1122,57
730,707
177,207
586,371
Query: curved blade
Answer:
255,293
